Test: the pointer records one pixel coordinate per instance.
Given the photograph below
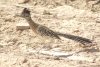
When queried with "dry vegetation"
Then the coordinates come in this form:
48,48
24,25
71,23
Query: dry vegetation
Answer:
66,16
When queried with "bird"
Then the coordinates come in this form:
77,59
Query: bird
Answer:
46,32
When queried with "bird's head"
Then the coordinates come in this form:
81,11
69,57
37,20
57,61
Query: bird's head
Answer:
25,13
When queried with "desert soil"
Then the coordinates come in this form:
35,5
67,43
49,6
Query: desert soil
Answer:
66,16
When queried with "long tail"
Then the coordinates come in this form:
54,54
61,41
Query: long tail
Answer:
76,38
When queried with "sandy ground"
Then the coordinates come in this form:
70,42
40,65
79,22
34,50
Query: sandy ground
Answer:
70,18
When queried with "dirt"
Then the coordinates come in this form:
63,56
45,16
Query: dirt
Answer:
66,16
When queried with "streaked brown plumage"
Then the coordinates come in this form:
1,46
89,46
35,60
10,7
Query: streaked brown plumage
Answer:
44,31
37,28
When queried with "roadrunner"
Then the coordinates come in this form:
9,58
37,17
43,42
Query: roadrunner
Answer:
46,32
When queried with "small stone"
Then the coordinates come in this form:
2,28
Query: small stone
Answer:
56,58
25,61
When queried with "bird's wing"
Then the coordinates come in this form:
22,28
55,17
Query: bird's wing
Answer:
44,31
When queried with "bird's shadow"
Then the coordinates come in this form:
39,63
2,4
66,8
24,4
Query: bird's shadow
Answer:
88,50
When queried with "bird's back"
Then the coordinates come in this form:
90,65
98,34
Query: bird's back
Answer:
44,31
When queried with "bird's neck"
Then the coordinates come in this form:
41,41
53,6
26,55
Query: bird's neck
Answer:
31,22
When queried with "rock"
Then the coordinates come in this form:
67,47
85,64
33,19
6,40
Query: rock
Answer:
22,26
